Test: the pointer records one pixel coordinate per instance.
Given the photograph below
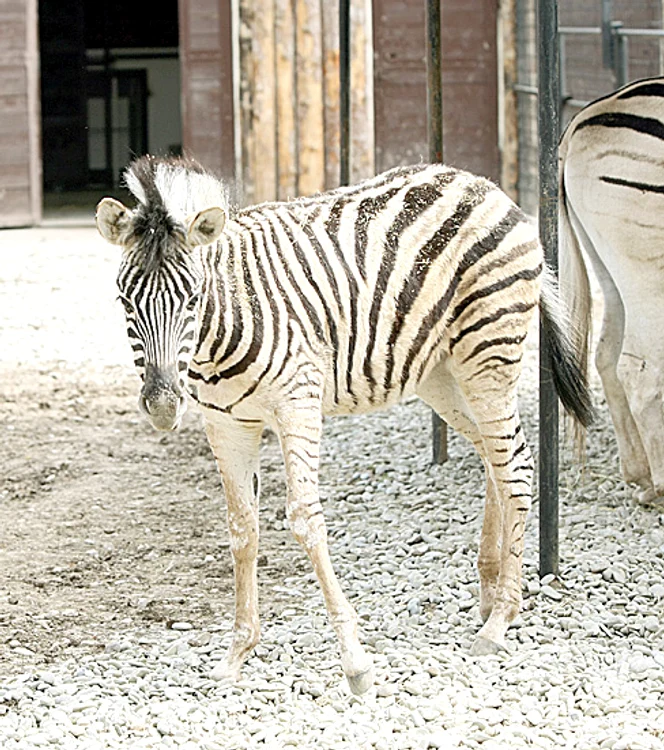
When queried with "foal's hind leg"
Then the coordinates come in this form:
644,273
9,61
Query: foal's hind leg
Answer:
444,396
479,399
510,465
634,464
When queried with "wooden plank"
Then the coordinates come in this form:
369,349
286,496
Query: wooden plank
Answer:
470,85
16,207
286,125
311,153
206,62
330,39
399,83
361,101
258,101
508,128
20,176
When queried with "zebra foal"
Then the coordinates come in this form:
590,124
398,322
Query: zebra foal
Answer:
421,280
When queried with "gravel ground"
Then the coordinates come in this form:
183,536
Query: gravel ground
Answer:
585,666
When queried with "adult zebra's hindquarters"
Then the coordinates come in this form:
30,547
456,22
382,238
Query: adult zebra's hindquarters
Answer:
421,280
611,194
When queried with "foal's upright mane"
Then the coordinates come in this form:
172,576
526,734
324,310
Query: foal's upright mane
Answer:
168,191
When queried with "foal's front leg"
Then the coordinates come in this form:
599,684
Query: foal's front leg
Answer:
299,424
236,448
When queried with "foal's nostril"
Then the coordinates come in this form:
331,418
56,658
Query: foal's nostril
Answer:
143,404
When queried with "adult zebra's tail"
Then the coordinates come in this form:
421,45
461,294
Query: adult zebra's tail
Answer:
569,377
574,281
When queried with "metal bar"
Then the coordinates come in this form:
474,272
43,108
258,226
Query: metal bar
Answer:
621,31
434,82
344,92
621,61
549,132
594,30
579,30
435,137
522,88
108,104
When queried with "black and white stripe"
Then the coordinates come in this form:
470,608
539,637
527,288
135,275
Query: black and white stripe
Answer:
421,280
376,280
612,206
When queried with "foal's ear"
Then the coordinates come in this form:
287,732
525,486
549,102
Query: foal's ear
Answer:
206,227
112,220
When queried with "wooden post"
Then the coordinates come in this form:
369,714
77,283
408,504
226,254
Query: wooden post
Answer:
344,91
311,159
258,100
286,122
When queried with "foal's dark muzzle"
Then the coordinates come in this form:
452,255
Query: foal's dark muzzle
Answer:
162,398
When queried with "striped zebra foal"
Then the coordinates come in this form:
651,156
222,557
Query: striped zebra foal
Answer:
421,280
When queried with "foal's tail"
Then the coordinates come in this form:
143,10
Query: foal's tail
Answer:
567,370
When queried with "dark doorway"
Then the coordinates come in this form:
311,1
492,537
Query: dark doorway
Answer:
110,88
117,117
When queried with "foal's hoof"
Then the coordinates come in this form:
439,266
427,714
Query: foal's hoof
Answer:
485,647
360,682
649,496
225,674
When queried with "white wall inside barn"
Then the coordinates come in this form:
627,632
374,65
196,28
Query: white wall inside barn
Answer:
163,105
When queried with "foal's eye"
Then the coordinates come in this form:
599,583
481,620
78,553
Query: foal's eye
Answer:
126,304
193,301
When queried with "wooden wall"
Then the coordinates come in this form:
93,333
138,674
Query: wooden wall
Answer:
289,97
289,90
20,163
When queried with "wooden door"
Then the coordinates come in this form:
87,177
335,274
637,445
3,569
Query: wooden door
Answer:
206,61
20,163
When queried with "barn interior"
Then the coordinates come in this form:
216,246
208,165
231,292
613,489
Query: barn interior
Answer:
110,90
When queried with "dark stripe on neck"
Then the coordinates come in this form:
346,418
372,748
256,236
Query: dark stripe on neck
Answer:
332,228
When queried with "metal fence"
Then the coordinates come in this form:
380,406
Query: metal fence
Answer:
594,59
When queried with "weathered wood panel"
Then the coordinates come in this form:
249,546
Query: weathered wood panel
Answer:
330,34
400,100
20,164
470,85
258,101
311,136
361,101
287,151
206,58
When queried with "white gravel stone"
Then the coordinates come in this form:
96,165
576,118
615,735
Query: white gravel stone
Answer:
584,669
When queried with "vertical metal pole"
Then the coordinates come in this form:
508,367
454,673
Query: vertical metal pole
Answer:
344,92
435,134
621,47
549,133
608,38
434,83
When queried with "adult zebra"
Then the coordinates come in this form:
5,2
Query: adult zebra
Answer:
421,280
611,186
